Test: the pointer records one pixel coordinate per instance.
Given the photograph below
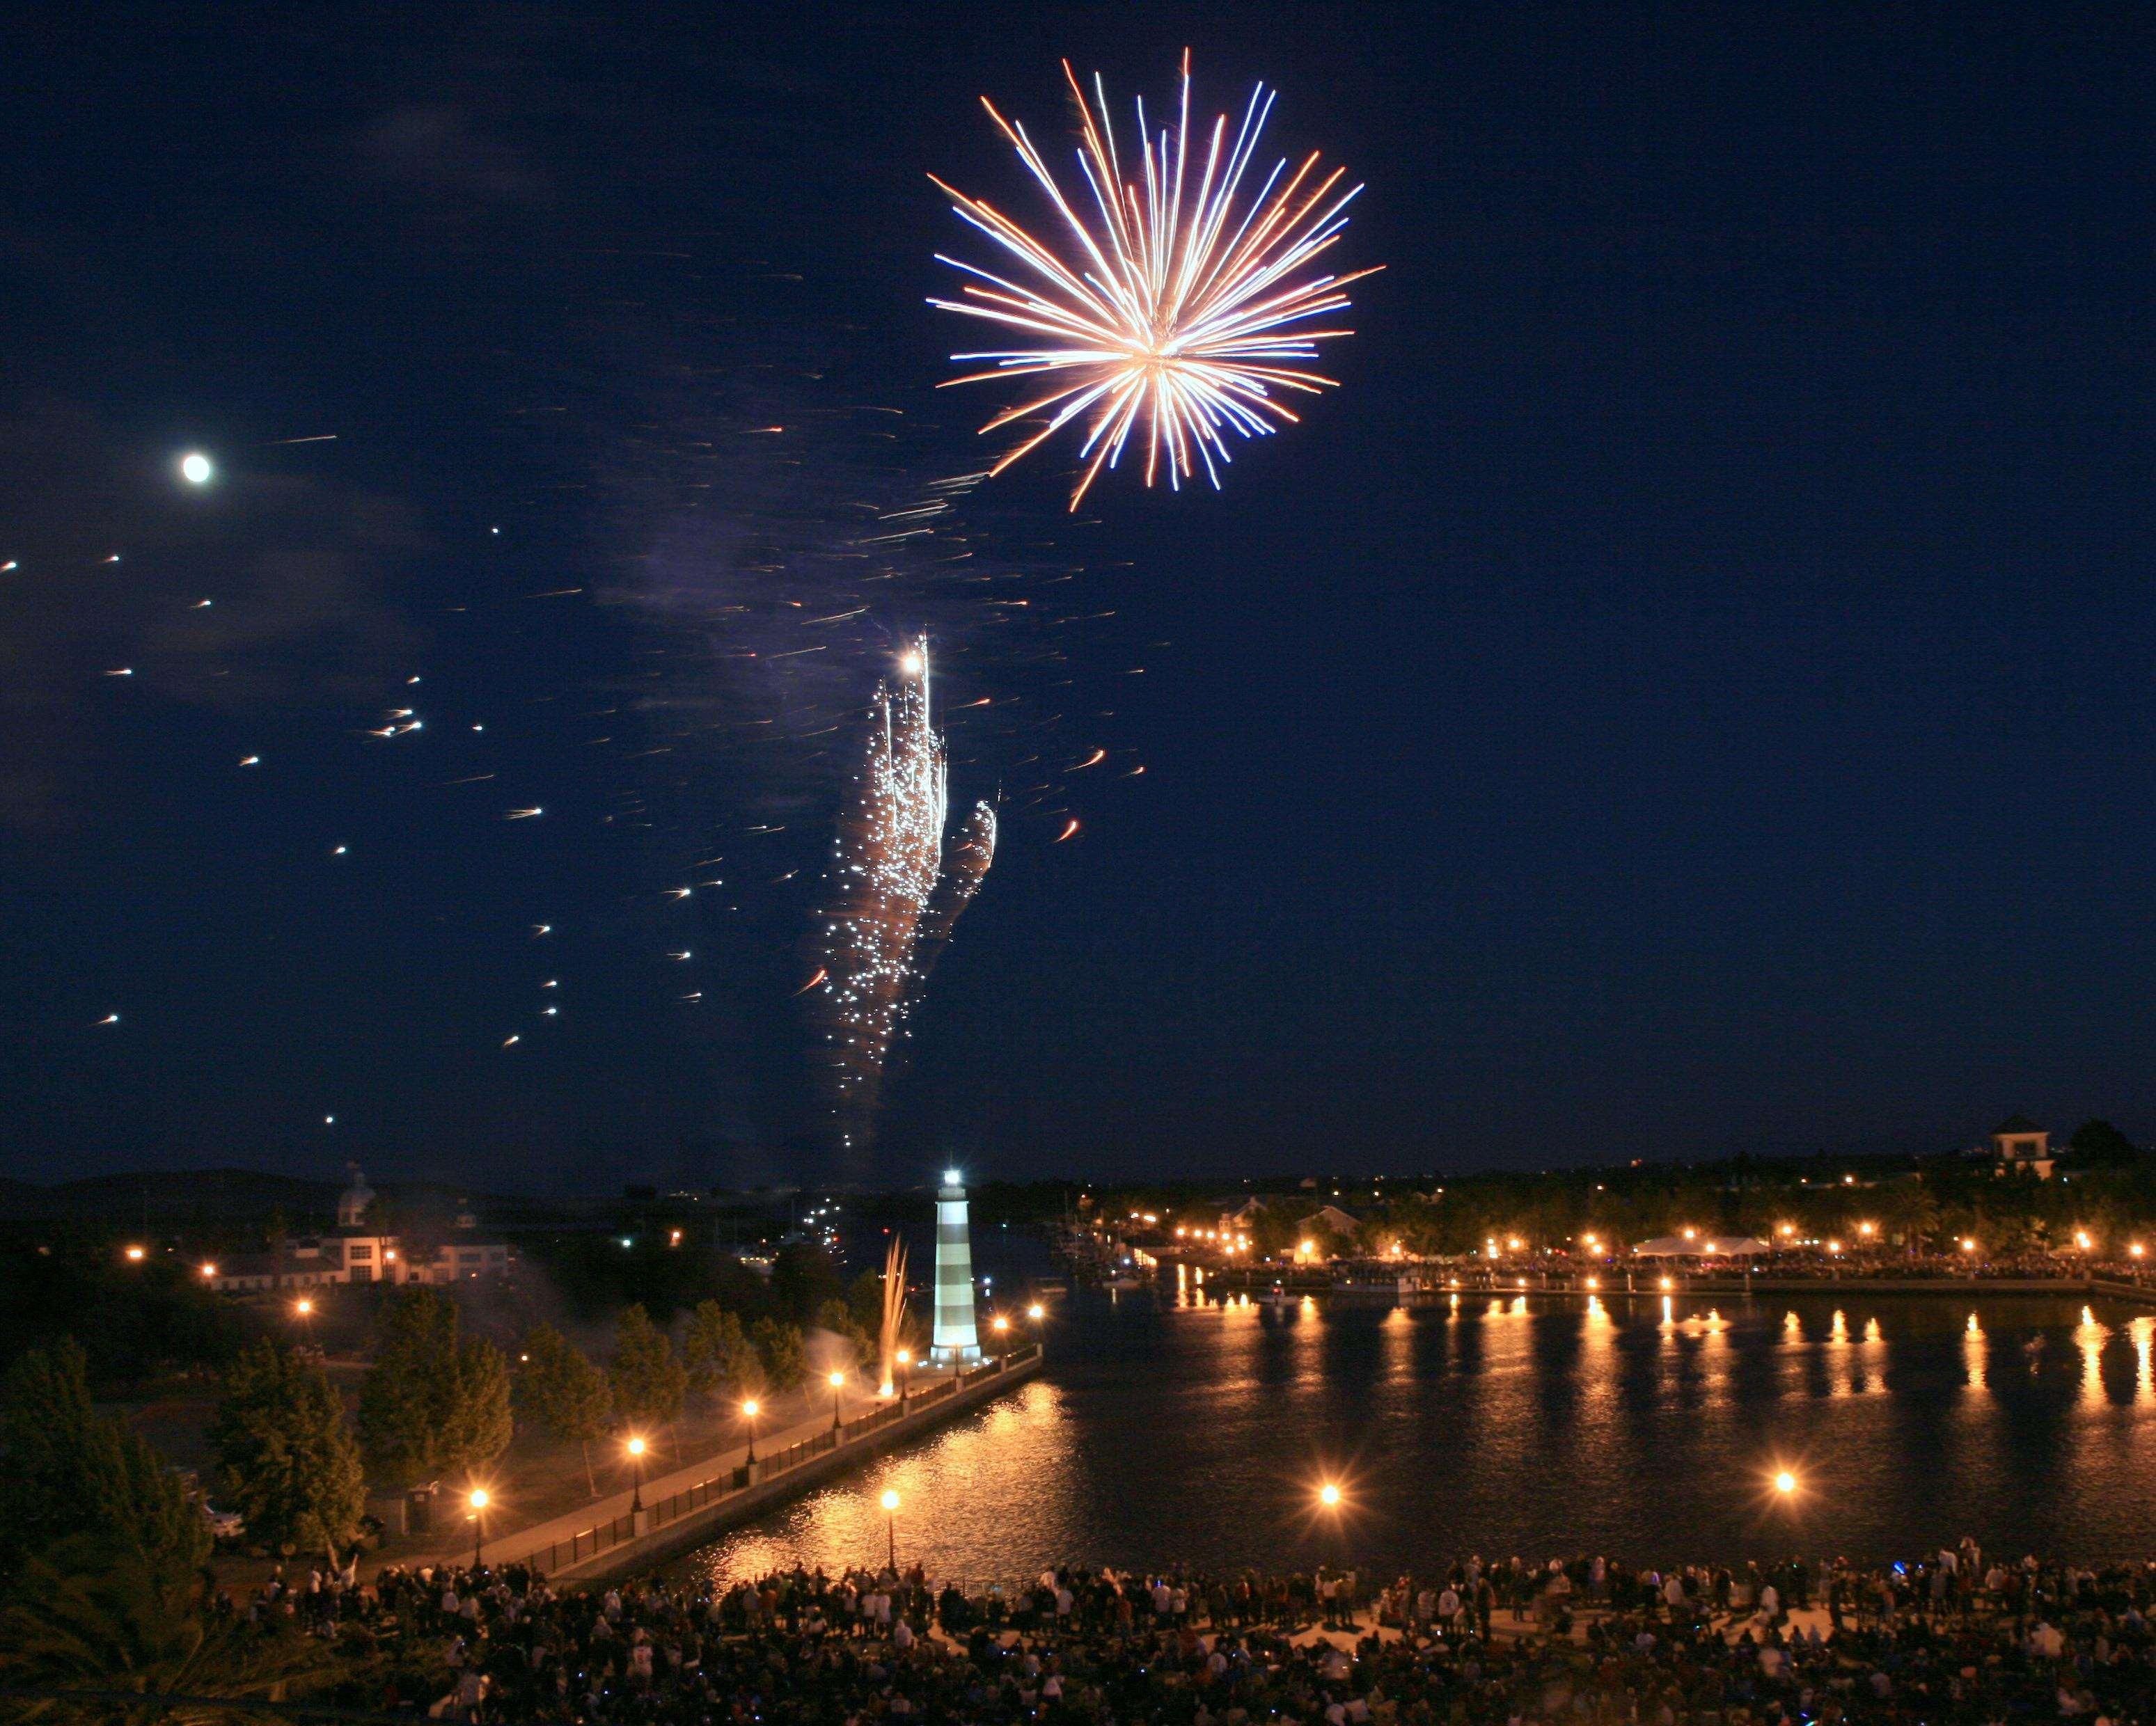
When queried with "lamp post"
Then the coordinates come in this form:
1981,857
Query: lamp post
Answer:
750,1410
837,1380
890,1527
1001,1326
636,1461
479,1504
905,1357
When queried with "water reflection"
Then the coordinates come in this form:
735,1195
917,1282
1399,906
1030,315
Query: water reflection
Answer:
1191,1426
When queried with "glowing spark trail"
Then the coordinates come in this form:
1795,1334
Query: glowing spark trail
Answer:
1175,305
893,917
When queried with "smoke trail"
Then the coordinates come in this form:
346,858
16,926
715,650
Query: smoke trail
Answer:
972,852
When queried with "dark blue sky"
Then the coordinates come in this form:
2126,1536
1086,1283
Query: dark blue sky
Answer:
1689,689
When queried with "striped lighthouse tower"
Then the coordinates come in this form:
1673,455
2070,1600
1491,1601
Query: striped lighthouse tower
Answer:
955,1343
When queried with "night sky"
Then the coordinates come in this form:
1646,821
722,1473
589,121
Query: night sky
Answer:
1688,691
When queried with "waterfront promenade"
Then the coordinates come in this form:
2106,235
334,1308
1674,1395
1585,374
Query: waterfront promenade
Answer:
687,1505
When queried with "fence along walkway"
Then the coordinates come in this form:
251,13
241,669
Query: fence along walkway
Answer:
561,1553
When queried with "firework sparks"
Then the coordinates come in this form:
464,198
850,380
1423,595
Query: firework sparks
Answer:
1177,305
896,901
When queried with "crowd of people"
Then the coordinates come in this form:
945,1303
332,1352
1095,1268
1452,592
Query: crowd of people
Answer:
1957,1636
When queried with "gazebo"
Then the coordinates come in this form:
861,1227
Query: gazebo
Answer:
1701,1246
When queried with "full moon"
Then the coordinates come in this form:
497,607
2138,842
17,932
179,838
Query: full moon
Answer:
195,468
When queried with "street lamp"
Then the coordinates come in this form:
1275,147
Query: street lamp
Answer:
890,1526
636,1492
209,1269
1036,1312
750,1410
1000,1325
837,1380
134,1255
905,1359
1785,1482
479,1504
1328,1495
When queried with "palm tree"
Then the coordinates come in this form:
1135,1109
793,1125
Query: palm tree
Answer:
87,1616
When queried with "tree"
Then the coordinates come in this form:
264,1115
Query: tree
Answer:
854,1344
722,1361
285,1460
2100,1145
779,1347
649,1383
73,1475
91,1615
803,1277
562,1390
432,1402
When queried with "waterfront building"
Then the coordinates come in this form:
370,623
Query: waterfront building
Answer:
364,1251
2019,1146
955,1340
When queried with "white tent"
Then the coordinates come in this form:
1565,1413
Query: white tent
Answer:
1701,1246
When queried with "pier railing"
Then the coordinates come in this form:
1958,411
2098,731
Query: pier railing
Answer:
580,1547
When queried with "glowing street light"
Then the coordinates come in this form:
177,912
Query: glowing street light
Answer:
890,1526
2082,1239
135,1255
1036,1312
209,1268
1785,1482
1867,1229
480,1501
636,1448
837,1380
750,1410
1328,1495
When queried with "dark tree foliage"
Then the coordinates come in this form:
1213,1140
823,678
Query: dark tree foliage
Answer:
73,1476
131,1321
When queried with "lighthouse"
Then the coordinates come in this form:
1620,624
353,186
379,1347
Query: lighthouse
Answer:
955,1343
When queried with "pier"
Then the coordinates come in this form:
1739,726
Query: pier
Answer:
682,1511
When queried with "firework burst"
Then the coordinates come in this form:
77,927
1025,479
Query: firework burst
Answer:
893,917
1178,309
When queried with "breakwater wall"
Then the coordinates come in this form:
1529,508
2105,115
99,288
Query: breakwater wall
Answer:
633,1541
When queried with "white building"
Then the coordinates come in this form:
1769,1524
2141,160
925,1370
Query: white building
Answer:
361,1251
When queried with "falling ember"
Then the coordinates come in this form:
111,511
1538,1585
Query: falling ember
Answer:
895,898
822,972
1067,830
1176,308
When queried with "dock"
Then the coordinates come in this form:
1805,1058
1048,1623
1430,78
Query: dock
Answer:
613,1538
